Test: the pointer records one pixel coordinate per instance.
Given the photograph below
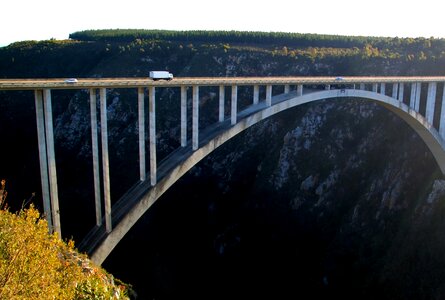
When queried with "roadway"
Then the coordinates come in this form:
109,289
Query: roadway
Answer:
87,83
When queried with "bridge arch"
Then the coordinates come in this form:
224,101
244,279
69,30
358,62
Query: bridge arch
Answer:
419,123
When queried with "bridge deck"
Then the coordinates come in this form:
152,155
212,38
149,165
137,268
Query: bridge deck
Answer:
85,83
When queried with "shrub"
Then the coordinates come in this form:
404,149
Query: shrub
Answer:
35,264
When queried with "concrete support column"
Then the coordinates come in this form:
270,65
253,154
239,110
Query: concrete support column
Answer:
183,116
395,90
431,102
152,134
105,162
234,105
95,152
141,123
442,116
269,95
375,87
412,99
327,87
38,95
300,90
414,102
195,118
383,88
362,86
51,160
256,94
286,89
221,103
401,91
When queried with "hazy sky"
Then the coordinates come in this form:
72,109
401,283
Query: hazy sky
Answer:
44,19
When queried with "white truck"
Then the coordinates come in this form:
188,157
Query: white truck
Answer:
157,75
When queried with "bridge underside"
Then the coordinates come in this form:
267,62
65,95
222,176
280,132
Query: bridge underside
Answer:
127,211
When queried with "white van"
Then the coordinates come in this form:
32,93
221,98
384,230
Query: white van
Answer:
157,75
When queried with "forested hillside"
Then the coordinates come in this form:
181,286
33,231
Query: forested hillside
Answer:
141,50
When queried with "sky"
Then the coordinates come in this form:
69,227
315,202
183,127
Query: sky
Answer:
45,19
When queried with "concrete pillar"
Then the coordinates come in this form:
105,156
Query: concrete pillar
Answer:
395,90
141,123
431,102
362,86
234,104
327,87
152,134
269,95
417,101
95,152
442,116
383,88
412,99
38,95
401,91
286,89
183,116
221,102
256,94
105,162
51,160
195,118
300,90
375,87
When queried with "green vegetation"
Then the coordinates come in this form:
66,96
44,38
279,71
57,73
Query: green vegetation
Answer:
129,52
37,265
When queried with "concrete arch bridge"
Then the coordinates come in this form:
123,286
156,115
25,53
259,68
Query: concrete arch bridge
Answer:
420,101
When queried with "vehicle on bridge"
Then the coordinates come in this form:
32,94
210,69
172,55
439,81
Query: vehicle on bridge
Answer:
158,75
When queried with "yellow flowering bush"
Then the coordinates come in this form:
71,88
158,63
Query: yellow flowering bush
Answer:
35,264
